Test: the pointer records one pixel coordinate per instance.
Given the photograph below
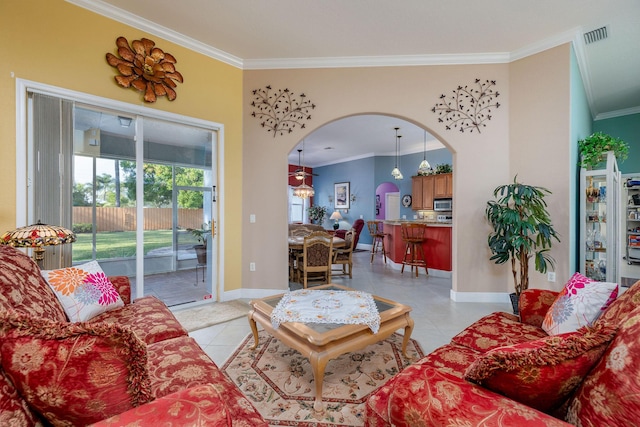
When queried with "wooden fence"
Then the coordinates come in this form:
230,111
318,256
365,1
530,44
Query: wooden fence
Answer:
124,219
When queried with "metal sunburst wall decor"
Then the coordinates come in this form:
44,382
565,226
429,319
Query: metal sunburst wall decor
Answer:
146,68
281,110
469,107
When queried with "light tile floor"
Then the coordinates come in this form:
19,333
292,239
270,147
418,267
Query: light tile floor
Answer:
437,318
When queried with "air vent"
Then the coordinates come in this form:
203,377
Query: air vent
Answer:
595,35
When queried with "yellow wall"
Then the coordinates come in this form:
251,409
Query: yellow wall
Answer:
59,44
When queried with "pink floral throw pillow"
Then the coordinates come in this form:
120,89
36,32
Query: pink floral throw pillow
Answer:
84,291
579,304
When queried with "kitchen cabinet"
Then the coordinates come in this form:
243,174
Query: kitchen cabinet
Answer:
600,216
443,186
422,192
426,188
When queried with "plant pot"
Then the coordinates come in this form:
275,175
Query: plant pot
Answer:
201,253
515,299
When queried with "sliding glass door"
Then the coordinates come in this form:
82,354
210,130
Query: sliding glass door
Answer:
140,196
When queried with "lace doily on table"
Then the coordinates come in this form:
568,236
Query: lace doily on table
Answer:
326,306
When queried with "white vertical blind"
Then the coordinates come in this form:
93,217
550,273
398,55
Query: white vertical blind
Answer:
52,130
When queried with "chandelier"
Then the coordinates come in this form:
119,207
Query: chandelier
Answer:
396,171
303,190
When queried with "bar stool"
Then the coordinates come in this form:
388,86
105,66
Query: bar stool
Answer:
375,230
413,236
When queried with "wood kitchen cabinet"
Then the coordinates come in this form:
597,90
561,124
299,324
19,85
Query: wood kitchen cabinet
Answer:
422,192
443,186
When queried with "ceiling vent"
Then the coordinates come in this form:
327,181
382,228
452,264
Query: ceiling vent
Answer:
595,35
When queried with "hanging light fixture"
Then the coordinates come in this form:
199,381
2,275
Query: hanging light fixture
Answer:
396,171
303,190
424,167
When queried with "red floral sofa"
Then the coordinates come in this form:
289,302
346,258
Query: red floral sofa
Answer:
586,378
134,365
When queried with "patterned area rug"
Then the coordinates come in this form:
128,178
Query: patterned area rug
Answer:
211,314
279,382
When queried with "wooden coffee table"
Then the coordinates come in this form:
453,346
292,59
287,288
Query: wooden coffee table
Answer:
323,342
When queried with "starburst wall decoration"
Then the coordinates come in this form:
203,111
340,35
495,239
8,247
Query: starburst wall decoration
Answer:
281,110
145,68
469,107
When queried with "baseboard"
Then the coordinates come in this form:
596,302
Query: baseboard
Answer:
498,297
432,272
250,293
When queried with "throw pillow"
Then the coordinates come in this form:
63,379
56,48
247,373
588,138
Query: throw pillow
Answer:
579,304
84,291
542,373
74,373
609,394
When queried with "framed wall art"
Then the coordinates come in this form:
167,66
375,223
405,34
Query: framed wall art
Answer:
341,195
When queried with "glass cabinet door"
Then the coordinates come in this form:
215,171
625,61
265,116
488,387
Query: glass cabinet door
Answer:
599,228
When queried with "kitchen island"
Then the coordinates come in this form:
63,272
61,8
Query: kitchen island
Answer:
437,245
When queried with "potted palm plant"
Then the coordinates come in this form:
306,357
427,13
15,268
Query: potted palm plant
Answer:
201,234
522,230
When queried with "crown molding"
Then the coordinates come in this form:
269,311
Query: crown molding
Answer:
376,61
119,15
618,113
573,36
546,44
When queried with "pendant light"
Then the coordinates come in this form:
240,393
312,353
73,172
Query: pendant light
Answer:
396,171
424,167
303,190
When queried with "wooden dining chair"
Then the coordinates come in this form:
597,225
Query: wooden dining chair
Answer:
315,262
344,256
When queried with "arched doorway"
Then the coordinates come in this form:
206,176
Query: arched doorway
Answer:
361,150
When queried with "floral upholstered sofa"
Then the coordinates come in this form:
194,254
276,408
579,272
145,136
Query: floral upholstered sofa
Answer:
132,365
507,371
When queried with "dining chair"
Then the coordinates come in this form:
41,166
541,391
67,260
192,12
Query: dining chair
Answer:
315,262
377,234
344,256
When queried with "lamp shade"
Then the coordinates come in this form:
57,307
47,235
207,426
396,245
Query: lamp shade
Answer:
38,235
336,216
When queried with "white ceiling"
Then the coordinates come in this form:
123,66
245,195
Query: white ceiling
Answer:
260,34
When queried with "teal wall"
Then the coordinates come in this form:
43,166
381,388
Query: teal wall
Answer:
581,127
626,128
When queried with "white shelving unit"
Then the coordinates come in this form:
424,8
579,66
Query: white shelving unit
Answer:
632,226
600,246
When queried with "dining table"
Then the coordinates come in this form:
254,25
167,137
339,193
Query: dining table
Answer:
297,242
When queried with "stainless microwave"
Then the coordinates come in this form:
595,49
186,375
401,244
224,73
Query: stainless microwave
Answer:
441,205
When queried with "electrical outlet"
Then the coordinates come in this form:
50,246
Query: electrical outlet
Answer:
252,266
551,276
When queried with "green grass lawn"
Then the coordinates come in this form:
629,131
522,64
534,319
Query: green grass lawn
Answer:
122,244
